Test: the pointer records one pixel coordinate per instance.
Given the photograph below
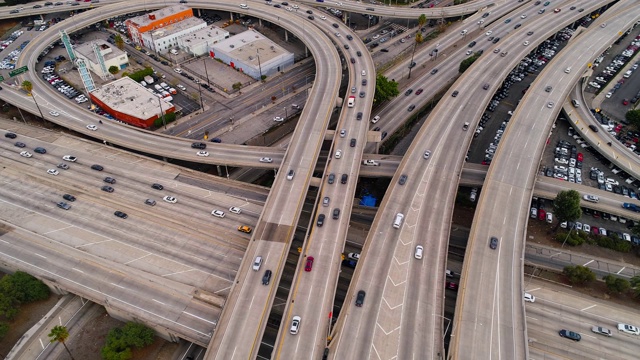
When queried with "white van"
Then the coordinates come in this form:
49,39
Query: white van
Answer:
398,221
174,51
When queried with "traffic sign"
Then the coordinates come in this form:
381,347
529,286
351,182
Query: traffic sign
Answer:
18,71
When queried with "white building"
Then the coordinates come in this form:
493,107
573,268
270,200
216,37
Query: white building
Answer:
163,39
253,54
110,53
198,42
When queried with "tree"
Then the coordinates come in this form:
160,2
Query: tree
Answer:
27,86
566,206
633,117
60,334
616,284
579,274
635,285
119,41
113,69
4,329
120,340
237,86
466,63
422,19
385,89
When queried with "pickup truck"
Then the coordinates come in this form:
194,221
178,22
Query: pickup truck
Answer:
632,207
370,163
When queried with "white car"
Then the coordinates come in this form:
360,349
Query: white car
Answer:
523,16
92,127
529,298
69,158
567,70
235,210
178,70
278,119
295,325
202,153
338,154
343,133
561,161
591,198
629,329
612,181
586,228
323,17
181,87
526,43
170,199
578,226
54,113
550,104
266,160
419,250
353,256
375,119
426,154
218,213
25,154
53,172
489,32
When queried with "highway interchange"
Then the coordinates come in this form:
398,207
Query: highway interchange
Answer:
396,314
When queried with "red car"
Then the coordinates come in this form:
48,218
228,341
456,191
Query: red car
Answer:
542,214
625,102
595,230
309,264
451,285
419,91
580,157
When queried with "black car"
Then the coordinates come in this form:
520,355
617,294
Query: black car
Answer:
63,205
335,25
403,179
349,263
10,135
411,107
413,63
408,92
97,167
569,335
308,12
593,128
496,40
121,214
109,180
107,188
349,37
360,298
353,61
310,17
40,150
359,116
199,145
157,186
69,197
266,278
336,214
20,144
320,220
358,53
472,44
455,93
364,82
352,143
493,243
163,62
344,178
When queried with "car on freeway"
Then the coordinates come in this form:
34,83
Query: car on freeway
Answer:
63,205
40,150
266,278
109,180
591,198
408,92
218,213
451,285
69,197
434,71
629,329
493,242
455,93
411,107
150,202
485,86
92,127
375,119
157,186
26,154
403,179
550,105
556,10
295,325
309,264
360,298
320,220
419,91
10,135
69,158
569,335
593,128
235,210
121,214
54,113
202,153
489,32
418,253
170,199
20,144
601,331
529,298
426,154
359,116
548,88
266,160
338,154
53,172
278,119
325,201
530,33
526,43
245,229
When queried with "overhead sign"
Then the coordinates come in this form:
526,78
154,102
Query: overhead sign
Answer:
18,71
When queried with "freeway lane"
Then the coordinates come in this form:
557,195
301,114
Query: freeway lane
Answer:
504,202
315,290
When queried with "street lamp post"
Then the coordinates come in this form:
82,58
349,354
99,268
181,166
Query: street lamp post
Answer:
415,44
285,113
33,96
164,120
200,91
259,66
204,62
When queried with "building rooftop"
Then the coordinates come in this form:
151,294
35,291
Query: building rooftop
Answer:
245,45
108,51
147,19
177,27
129,97
206,35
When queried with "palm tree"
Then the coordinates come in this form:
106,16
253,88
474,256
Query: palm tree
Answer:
27,86
60,334
422,19
119,41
